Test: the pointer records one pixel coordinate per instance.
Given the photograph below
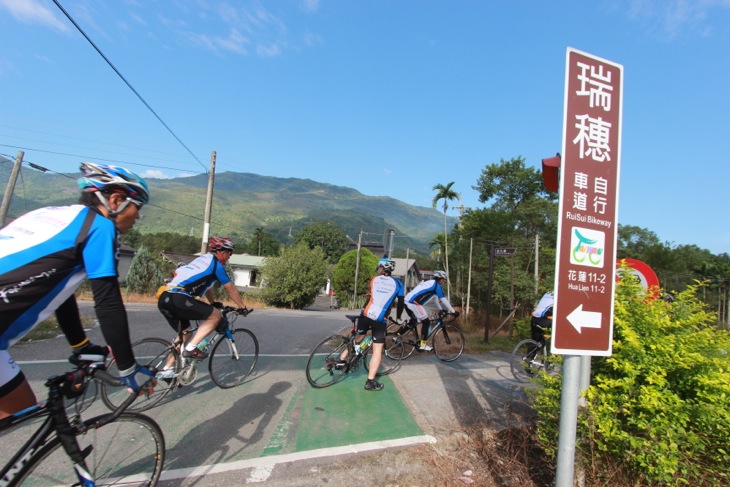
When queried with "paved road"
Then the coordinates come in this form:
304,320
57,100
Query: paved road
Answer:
273,427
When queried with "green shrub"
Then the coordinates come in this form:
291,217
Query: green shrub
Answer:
144,276
295,278
658,409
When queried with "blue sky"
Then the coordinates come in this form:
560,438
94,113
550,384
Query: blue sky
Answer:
388,97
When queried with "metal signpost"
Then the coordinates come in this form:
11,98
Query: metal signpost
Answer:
587,228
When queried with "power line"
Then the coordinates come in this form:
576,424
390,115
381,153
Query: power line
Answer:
71,138
116,161
47,170
78,27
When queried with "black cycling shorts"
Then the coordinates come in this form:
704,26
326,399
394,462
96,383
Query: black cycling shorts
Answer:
179,309
364,324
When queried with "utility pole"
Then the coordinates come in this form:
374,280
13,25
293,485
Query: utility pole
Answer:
468,285
11,187
208,205
357,269
537,264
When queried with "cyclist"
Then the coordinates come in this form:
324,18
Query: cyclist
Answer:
542,317
384,289
419,296
44,256
178,300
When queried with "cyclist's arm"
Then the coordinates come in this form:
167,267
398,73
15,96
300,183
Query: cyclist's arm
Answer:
112,316
399,307
69,321
446,304
233,293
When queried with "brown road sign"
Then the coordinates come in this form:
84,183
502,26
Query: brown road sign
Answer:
589,181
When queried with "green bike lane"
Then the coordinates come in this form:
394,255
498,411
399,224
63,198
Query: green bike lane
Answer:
274,417
343,414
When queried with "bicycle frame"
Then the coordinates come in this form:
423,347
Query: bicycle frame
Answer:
434,328
58,422
223,329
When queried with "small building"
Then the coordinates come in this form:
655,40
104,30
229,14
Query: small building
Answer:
406,270
246,269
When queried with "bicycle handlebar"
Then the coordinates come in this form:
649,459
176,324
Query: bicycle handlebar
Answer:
72,383
240,311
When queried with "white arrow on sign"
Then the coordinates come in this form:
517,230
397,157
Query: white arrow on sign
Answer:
584,319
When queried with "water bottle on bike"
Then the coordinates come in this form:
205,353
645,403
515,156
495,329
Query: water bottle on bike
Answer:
362,347
203,344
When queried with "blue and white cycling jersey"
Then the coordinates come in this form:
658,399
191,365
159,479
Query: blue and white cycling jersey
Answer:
44,256
424,292
544,308
198,276
383,291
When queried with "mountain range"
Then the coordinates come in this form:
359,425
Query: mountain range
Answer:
245,201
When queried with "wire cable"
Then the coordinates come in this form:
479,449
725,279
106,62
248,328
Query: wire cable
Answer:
78,27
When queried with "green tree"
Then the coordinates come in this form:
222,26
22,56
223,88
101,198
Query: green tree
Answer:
510,184
326,235
295,278
343,277
519,210
438,244
445,194
262,243
144,276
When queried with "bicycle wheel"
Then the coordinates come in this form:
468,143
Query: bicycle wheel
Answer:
526,360
231,361
408,340
152,352
448,343
321,369
128,451
390,359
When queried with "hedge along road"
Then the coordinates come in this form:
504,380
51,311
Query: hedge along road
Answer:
274,417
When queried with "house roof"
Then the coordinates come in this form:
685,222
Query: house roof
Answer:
403,265
246,260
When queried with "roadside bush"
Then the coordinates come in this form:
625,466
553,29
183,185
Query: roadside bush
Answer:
295,278
343,277
658,409
144,276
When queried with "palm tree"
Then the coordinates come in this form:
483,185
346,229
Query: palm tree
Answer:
438,242
447,194
258,236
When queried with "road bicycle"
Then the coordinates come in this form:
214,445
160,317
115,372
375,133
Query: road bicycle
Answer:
529,357
325,366
112,449
233,356
447,339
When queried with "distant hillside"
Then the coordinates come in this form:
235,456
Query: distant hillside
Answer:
244,201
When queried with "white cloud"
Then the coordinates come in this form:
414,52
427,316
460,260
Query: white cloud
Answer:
310,5
675,17
32,12
155,174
